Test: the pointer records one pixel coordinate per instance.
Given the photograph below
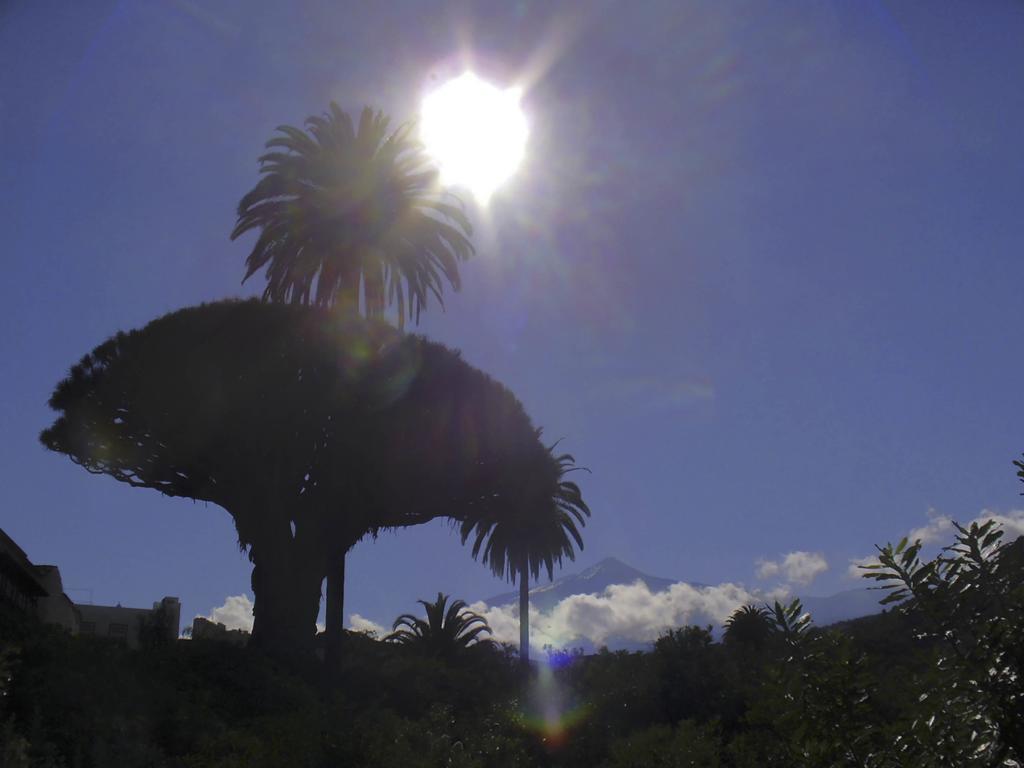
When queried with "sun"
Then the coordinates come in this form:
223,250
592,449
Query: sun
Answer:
475,132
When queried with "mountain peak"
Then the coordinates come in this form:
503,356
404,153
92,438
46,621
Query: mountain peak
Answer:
611,567
608,562
592,580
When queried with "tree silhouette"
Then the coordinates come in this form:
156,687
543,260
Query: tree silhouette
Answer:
517,545
446,630
359,212
748,626
311,431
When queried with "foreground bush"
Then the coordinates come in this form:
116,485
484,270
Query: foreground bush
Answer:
933,682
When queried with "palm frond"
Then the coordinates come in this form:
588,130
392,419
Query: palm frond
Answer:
346,209
447,628
545,532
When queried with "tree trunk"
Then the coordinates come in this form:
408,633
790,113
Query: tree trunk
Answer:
524,613
286,585
335,618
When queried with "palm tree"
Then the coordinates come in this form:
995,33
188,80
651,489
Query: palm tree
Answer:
359,212
446,630
356,210
748,626
540,536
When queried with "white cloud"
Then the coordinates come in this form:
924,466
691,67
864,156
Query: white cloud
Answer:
359,623
628,612
235,613
803,567
939,528
854,570
1012,522
780,592
795,567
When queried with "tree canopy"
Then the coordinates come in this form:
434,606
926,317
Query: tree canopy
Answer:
310,429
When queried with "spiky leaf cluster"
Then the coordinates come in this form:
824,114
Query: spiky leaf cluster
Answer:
970,601
447,628
350,213
544,533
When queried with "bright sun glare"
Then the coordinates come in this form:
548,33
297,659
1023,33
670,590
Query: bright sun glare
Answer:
475,132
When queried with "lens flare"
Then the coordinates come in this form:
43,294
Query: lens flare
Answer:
475,132
549,712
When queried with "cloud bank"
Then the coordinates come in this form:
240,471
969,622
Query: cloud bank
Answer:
623,612
632,614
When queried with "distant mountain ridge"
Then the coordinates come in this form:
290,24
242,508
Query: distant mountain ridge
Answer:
842,606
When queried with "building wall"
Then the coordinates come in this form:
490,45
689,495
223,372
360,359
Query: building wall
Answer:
118,623
19,584
56,607
13,592
38,590
173,607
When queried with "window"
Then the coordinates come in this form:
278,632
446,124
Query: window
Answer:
12,592
119,631
87,628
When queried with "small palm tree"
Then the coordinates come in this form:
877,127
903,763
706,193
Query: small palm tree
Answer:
446,630
351,213
538,538
748,626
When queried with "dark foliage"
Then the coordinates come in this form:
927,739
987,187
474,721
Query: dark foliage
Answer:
969,604
543,535
749,627
157,628
310,430
808,697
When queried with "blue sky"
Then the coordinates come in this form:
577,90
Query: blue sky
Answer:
761,270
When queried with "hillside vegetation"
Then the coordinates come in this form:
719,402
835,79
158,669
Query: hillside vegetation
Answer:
932,682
